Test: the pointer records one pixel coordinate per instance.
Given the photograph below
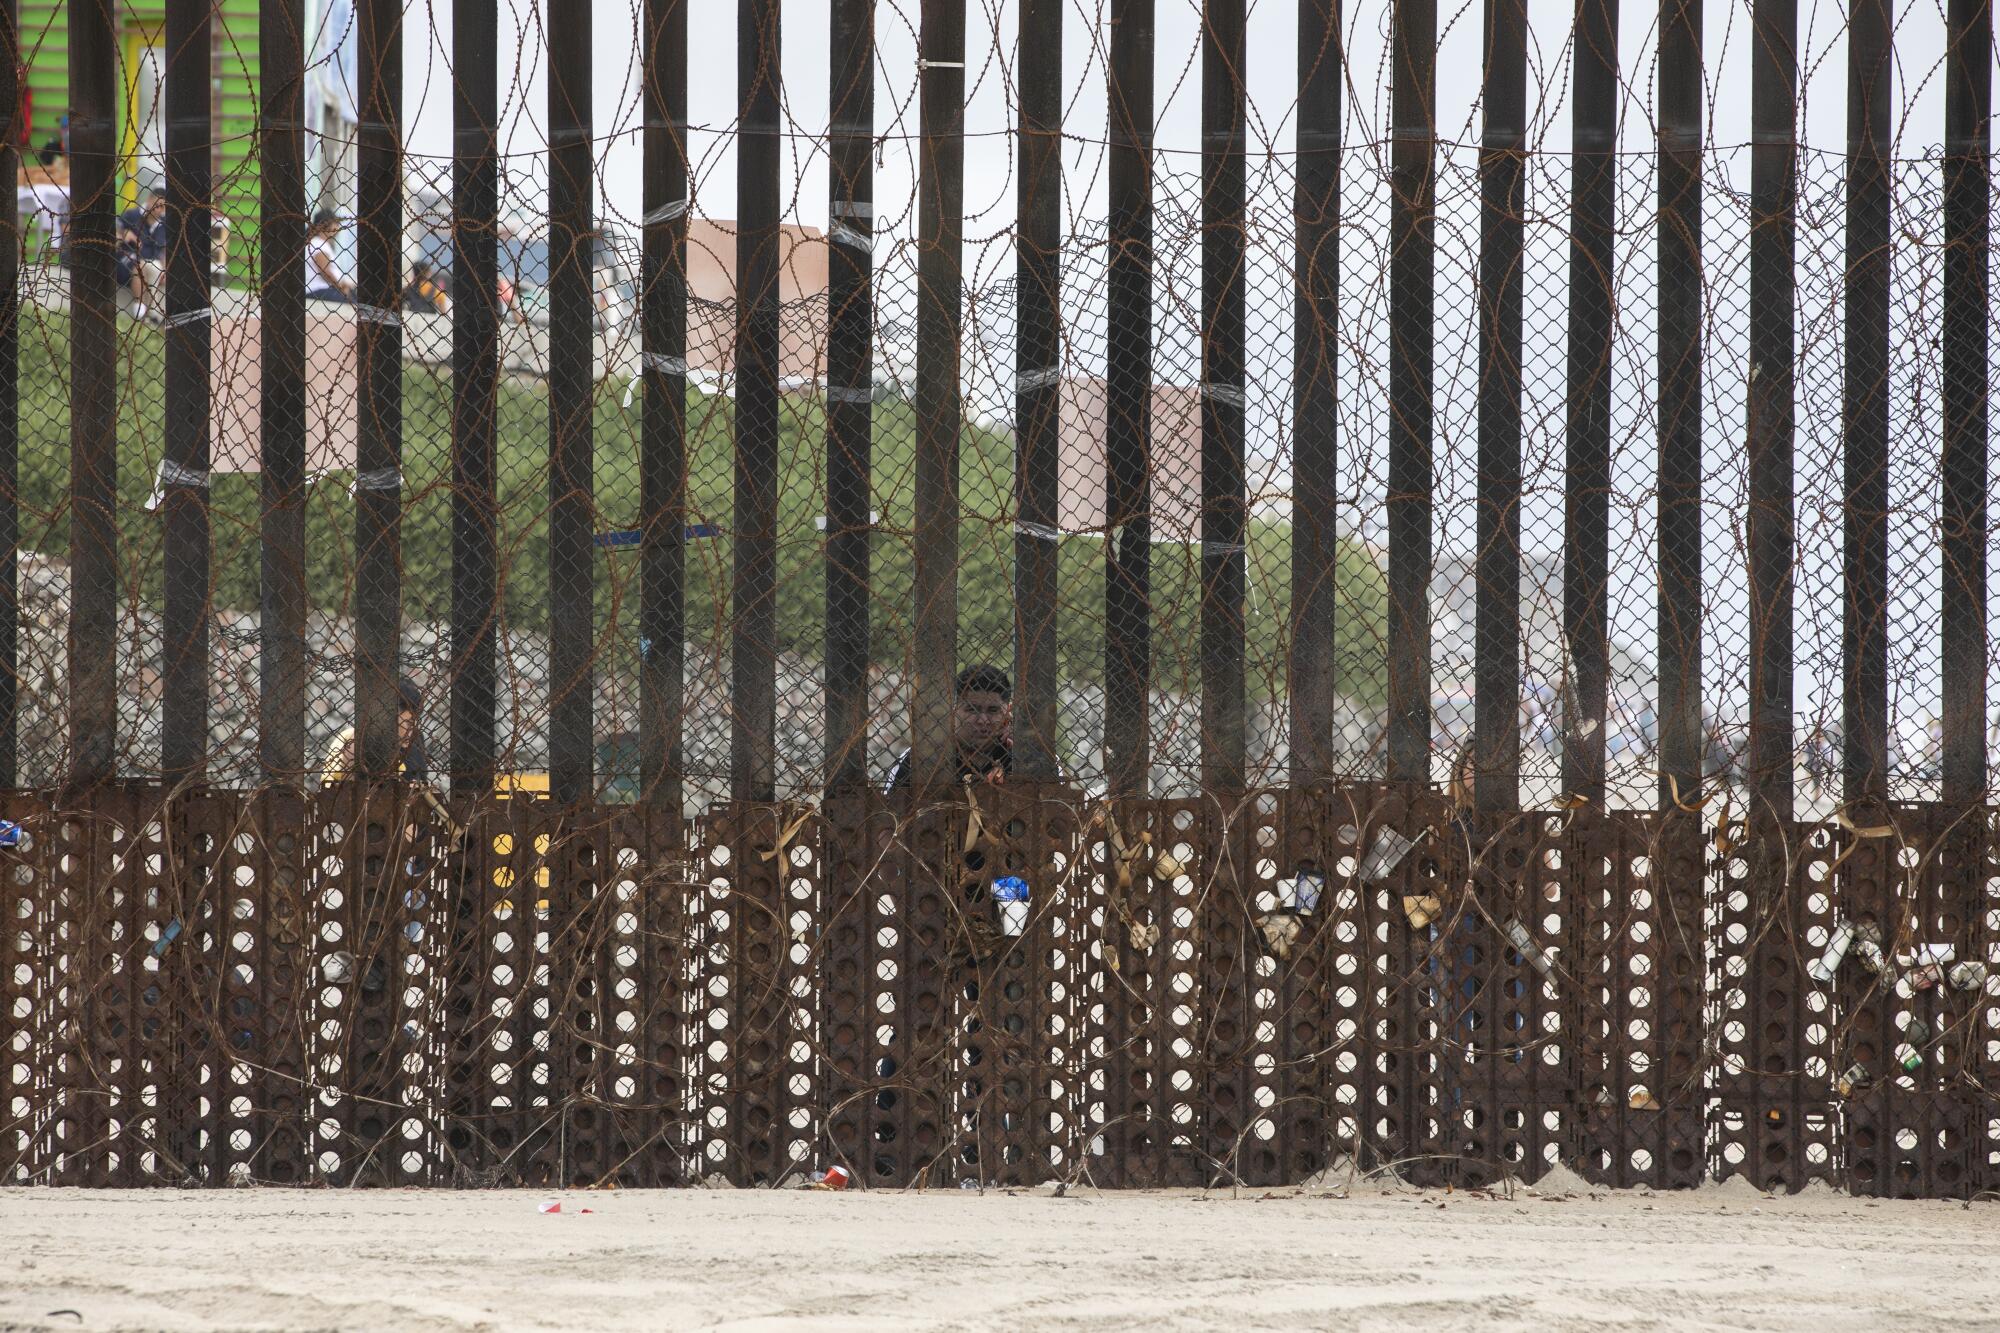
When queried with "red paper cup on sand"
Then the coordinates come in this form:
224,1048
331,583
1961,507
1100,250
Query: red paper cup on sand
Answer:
836,1178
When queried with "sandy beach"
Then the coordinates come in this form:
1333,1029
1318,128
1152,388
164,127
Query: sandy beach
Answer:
1368,1258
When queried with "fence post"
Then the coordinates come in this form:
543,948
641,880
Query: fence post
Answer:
1679,351
753,611
1865,408
850,390
1593,302
1497,638
281,356
1412,258
1038,387
1223,499
378,346
663,427
185,676
940,232
572,373
1968,105
475,364
1768,436
10,400
93,383
1128,402
1315,675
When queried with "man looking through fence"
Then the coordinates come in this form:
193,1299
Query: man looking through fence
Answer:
982,724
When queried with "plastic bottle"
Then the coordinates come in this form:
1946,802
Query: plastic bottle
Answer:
1822,969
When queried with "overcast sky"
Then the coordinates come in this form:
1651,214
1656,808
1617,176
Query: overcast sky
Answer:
990,54
989,203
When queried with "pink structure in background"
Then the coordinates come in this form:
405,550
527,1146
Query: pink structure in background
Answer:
236,380
711,320
1175,469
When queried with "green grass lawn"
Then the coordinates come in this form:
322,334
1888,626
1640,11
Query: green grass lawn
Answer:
986,603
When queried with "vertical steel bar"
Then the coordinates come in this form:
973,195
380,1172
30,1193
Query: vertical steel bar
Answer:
1968,104
93,383
475,369
940,234
1128,399
1593,298
184,479
572,356
10,399
1412,260
1224,503
378,344
850,389
1037,386
663,428
1768,396
1315,675
1679,352
281,241
1865,408
1497,632
753,651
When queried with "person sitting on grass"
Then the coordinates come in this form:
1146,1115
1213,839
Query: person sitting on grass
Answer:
142,249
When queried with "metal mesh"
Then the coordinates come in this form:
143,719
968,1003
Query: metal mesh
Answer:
666,538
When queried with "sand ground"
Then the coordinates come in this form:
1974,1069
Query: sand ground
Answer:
1722,1257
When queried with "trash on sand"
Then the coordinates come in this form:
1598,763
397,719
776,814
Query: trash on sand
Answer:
549,1206
833,1178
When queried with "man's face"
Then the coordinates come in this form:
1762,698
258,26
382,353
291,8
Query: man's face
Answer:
406,730
155,209
979,718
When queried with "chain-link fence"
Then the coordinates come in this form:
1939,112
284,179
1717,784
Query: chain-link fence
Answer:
381,407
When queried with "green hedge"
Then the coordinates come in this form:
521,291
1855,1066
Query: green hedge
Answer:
985,598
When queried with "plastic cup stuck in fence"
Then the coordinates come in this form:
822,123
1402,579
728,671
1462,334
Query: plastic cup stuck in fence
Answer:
1011,893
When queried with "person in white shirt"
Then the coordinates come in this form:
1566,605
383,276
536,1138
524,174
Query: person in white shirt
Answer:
324,280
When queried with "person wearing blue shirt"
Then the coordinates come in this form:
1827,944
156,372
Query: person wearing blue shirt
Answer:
142,248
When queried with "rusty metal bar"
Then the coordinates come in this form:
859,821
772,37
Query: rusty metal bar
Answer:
1224,501
184,480
93,381
378,343
850,370
1128,402
1593,304
1038,388
1497,633
10,397
475,370
573,245
1769,424
1679,351
1865,408
1412,259
940,233
281,242
753,608
1315,672
1968,137
663,424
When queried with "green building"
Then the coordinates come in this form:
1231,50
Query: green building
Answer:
141,39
